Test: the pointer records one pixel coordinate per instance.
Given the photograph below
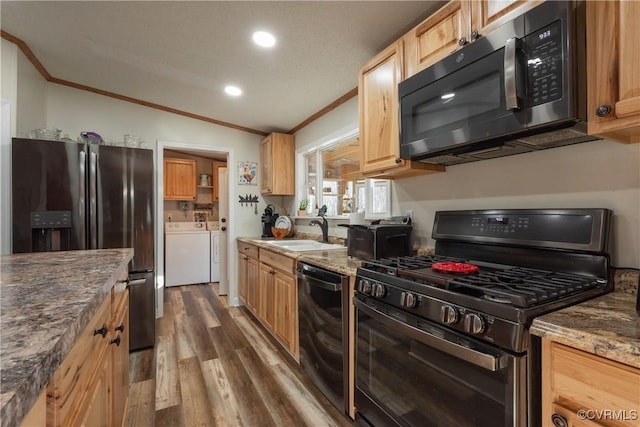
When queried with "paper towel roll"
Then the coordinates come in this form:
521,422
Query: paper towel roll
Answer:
356,218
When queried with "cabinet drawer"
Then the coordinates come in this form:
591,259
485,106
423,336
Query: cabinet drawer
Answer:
279,261
248,249
73,377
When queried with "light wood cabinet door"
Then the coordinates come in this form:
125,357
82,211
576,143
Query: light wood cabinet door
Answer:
613,69
120,353
98,406
266,309
277,165
216,178
378,97
487,15
437,36
242,277
253,288
286,311
179,179
574,381
379,136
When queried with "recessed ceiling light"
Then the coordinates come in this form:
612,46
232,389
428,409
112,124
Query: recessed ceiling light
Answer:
233,90
264,39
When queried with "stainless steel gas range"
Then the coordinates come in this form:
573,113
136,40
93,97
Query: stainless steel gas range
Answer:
443,340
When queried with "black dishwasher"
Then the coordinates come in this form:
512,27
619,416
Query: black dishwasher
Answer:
323,318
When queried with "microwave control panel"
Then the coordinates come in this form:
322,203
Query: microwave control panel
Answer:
544,64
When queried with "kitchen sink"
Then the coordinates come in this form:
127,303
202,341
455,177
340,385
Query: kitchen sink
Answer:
304,245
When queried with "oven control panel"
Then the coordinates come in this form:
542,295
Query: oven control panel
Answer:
471,322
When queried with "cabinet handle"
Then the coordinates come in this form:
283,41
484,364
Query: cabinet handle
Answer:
474,35
101,331
271,273
115,341
559,420
120,328
603,110
245,257
398,160
462,41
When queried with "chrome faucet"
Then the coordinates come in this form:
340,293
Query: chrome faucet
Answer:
324,225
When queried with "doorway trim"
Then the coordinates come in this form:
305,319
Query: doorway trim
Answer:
159,227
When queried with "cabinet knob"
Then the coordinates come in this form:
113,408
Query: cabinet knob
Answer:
115,341
101,331
462,41
474,35
120,328
603,110
398,160
559,420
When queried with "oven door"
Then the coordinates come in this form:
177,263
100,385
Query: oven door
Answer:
474,95
411,372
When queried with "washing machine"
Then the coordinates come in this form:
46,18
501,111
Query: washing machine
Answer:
187,253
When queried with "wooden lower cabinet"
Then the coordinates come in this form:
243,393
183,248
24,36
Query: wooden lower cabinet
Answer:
91,386
268,288
286,306
266,307
582,389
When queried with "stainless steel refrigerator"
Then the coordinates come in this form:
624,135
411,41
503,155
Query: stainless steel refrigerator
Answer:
70,196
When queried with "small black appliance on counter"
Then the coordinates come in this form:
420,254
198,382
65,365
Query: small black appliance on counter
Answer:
268,221
381,239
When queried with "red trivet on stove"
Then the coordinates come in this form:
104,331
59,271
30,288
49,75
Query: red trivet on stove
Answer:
454,267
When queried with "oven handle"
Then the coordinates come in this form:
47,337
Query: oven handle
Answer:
489,362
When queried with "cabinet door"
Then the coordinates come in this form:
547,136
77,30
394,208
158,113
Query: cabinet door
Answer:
436,37
267,295
253,288
98,409
266,165
613,69
487,15
216,185
120,354
242,277
277,165
179,179
286,313
378,97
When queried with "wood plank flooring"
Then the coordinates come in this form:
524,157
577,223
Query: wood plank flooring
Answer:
214,365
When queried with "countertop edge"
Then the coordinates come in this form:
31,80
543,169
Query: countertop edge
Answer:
27,393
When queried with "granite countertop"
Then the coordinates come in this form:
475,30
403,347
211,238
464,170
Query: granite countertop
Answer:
335,260
46,301
606,326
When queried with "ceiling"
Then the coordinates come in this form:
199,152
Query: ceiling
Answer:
181,54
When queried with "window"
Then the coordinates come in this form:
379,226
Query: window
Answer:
332,177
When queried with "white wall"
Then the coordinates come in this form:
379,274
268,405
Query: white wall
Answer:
75,111
596,174
601,174
31,95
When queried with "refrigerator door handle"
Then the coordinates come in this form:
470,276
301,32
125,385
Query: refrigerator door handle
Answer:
93,196
82,213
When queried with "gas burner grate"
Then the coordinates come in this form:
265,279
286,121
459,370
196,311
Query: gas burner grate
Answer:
522,287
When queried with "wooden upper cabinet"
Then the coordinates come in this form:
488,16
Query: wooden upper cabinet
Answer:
179,179
216,179
436,37
277,165
379,134
613,69
456,24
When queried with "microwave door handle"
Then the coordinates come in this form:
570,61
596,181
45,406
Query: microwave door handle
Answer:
510,74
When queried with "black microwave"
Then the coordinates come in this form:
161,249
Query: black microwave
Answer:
519,88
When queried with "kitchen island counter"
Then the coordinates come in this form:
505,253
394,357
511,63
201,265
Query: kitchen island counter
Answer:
47,300
606,326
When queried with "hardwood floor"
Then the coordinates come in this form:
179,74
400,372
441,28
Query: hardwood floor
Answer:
213,365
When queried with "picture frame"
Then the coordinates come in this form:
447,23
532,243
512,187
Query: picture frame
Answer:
247,173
